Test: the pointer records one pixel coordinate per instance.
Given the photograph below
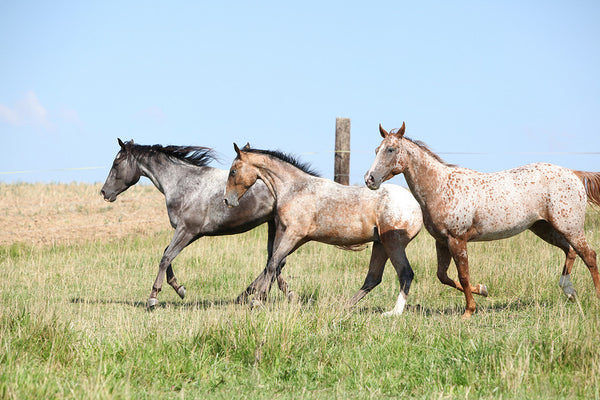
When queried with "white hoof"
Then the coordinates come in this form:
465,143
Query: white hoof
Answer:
181,291
483,290
392,313
152,302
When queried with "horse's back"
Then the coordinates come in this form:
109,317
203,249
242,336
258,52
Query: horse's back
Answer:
399,207
502,204
198,202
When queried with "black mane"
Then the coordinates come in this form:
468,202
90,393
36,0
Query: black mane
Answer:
286,158
195,155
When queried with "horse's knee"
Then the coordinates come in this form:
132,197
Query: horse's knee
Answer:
371,282
443,277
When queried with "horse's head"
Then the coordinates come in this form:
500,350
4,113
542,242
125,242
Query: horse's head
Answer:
390,158
123,174
242,175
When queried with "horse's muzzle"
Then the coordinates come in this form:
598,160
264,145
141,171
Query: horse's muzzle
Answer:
231,200
371,182
108,198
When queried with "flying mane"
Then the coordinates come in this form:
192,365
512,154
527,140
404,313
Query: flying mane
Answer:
194,155
286,158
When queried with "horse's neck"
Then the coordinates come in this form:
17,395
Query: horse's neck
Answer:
277,175
162,174
424,174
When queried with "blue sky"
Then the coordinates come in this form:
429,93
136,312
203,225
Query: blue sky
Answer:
487,85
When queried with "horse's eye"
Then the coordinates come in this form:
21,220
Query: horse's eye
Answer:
232,172
391,149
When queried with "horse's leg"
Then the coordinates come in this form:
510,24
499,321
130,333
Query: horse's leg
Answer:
283,245
283,286
546,231
443,259
395,247
458,250
180,240
376,267
171,280
588,255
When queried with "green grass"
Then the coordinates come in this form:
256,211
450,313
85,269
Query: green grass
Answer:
73,324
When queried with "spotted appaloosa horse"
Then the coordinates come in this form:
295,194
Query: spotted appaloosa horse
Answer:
461,205
308,207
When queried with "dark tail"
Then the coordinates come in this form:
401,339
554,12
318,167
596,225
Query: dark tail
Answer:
591,182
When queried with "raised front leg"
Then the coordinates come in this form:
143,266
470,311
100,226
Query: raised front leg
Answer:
443,259
458,250
180,240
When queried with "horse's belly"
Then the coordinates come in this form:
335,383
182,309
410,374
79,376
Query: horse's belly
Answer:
493,230
344,235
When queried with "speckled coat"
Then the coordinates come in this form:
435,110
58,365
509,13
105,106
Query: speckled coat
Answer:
461,205
308,207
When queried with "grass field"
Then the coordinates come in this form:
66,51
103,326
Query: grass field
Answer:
73,322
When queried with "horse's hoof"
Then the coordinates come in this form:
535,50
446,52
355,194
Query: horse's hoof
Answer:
570,292
291,296
181,291
255,303
571,295
152,302
389,314
483,290
467,315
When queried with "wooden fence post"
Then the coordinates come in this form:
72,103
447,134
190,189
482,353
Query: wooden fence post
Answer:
341,172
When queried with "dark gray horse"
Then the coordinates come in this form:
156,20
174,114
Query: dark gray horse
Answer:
194,197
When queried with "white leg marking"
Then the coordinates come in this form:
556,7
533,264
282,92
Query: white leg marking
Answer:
399,308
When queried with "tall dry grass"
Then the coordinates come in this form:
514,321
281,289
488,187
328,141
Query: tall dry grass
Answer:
73,323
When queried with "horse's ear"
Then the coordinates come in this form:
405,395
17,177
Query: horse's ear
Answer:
246,147
121,143
383,132
237,150
401,131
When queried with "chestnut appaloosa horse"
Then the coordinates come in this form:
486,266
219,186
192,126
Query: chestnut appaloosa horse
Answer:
461,205
194,198
308,207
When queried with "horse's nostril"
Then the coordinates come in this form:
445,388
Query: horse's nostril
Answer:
102,193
